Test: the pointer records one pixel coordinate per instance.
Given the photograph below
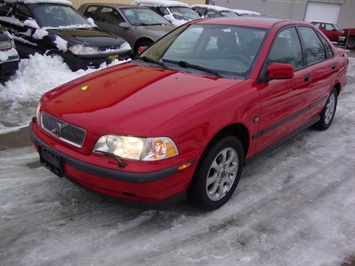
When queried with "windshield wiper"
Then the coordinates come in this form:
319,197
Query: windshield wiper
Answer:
150,60
185,64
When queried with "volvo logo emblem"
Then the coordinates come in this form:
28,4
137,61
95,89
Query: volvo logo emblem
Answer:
58,128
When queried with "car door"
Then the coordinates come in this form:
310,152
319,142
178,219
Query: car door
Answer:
321,65
331,32
109,19
284,103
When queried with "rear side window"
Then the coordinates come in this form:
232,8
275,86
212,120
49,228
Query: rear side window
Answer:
314,49
328,49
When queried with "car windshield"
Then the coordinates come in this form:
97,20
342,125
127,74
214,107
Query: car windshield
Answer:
224,49
53,15
140,16
184,13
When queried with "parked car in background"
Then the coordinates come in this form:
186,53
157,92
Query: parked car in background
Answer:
176,12
246,13
138,25
9,57
181,119
56,28
331,30
212,11
349,38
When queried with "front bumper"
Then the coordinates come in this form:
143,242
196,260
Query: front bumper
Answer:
152,190
341,39
76,62
8,68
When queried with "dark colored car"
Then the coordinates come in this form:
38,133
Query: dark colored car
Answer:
349,38
55,27
180,120
212,11
9,57
139,26
331,30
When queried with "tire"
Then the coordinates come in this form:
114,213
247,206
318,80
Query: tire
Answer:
217,174
145,43
350,42
327,115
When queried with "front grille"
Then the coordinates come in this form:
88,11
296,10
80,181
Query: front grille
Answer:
63,130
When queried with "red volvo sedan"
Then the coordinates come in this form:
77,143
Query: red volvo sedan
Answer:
181,119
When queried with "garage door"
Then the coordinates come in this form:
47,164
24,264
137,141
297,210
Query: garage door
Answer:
322,12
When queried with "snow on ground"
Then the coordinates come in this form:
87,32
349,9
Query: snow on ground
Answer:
293,206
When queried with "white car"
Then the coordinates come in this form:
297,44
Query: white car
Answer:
212,11
246,13
176,12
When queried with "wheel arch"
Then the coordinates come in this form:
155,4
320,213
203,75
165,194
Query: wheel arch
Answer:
141,40
337,86
238,130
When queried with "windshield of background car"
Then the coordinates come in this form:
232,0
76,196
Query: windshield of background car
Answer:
58,16
140,16
228,50
184,13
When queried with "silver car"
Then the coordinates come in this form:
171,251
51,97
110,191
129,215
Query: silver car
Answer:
139,26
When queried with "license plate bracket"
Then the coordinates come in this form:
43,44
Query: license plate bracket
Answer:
51,161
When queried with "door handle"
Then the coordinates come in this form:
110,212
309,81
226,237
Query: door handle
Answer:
307,77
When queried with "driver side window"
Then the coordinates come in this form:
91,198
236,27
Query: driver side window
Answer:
109,15
286,48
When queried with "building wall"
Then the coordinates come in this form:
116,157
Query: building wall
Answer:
291,9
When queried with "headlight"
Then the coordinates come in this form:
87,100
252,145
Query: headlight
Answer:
5,45
144,149
38,113
83,50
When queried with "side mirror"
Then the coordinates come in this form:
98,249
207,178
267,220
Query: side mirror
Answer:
280,71
124,25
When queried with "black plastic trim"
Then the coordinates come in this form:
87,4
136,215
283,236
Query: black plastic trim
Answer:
157,205
284,121
105,172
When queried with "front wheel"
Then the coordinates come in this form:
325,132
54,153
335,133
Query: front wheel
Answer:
217,174
327,115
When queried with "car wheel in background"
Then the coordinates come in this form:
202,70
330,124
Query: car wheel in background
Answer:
327,115
218,174
143,43
350,42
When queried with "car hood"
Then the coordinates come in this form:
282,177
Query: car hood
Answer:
88,36
155,30
130,99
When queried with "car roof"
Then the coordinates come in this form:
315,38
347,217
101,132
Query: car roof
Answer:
318,21
63,2
256,22
157,3
114,5
213,7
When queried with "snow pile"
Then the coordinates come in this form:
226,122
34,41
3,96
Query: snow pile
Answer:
35,76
